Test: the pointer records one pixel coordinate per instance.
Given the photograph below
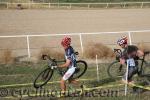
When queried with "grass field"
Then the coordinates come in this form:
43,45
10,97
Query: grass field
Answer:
75,1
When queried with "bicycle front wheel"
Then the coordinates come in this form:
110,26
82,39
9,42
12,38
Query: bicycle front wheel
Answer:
43,78
116,70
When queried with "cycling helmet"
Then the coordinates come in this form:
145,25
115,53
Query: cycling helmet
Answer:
122,40
66,41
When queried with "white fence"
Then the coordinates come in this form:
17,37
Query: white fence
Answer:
80,35
30,5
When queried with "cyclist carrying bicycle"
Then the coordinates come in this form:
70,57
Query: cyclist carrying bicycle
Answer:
70,62
130,53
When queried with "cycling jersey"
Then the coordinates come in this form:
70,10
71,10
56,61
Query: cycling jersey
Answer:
69,54
129,52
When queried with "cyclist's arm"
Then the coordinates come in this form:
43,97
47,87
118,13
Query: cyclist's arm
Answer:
123,57
140,53
68,61
122,61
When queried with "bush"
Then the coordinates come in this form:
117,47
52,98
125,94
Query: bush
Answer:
142,46
7,57
98,49
52,53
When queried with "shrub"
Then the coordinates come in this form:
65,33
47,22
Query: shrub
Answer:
51,52
98,49
7,57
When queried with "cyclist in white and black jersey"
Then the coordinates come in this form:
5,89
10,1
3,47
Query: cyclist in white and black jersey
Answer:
70,62
130,53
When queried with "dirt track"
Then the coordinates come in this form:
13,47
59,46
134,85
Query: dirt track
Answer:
20,22
64,21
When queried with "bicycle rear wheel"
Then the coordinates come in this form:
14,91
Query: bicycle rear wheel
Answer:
80,69
142,82
43,78
116,70
145,68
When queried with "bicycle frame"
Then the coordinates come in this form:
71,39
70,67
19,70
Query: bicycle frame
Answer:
52,63
119,53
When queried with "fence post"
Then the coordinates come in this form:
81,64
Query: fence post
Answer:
7,5
130,40
107,5
49,5
126,85
88,6
124,5
70,6
58,5
28,46
142,5
29,4
97,69
81,43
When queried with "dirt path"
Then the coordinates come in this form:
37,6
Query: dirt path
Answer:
64,21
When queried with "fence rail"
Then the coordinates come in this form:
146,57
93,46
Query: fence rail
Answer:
80,35
32,5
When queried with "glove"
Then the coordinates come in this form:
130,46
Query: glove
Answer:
54,66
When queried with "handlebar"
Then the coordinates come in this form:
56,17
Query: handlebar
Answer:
76,53
118,51
46,57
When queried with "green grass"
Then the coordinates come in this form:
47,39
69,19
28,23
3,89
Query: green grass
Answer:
76,1
72,1
92,1
26,73
75,6
15,1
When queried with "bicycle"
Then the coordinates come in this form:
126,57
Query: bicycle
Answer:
47,73
116,70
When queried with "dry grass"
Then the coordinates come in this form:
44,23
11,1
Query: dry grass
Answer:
143,46
7,57
98,49
52,53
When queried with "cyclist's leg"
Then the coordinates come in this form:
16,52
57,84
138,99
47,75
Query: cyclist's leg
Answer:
63,85
132,68
131,71
66,76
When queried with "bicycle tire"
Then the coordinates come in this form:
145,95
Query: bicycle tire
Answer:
84,66
145,71
142,81
48,72
112,70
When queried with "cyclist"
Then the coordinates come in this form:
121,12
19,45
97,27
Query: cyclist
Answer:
70,62
130,53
